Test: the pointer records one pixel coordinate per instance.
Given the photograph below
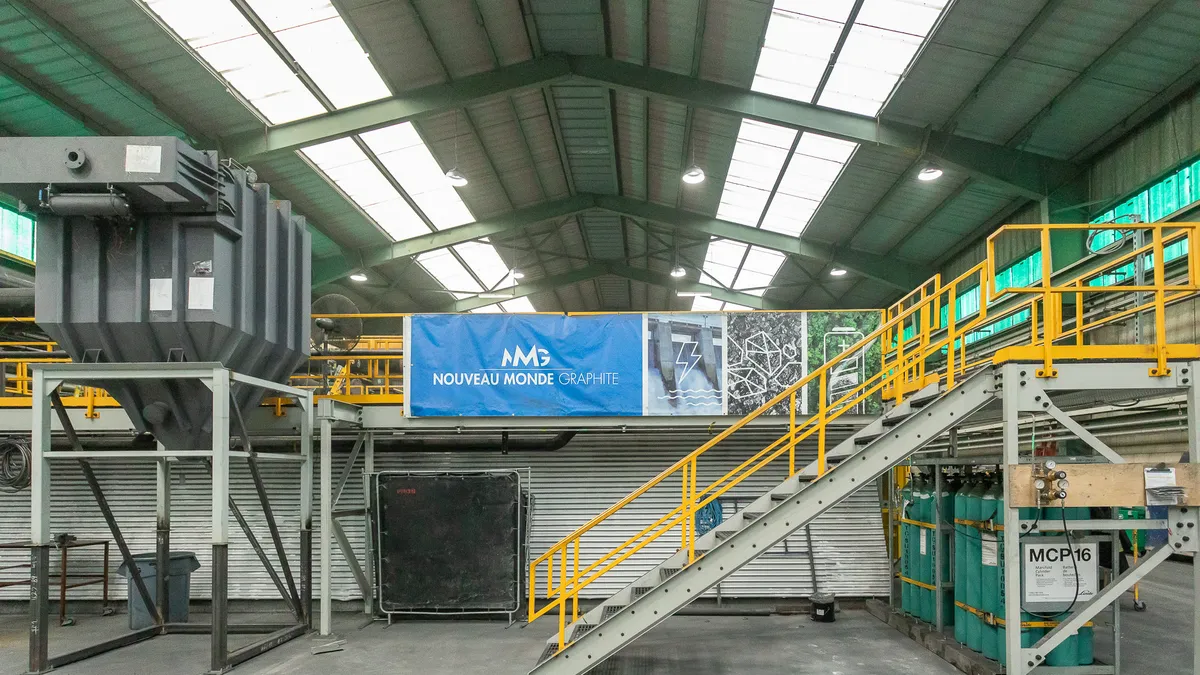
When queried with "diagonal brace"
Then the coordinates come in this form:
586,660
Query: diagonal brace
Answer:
102,502
351,558
1036,655
263,499
345,475
1083,434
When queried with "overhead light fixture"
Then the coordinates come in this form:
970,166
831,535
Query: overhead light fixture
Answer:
456,177
693,175
678,271
837,272
358,276
930,172
694,294
518,274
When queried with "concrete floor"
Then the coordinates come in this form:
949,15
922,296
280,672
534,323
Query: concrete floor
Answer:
857,644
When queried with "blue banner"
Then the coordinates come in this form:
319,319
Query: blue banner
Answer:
488,365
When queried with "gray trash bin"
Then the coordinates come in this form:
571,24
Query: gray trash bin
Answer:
183,563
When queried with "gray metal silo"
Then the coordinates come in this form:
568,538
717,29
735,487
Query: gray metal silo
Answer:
151,251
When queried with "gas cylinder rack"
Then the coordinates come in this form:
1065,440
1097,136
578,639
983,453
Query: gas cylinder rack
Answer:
958,547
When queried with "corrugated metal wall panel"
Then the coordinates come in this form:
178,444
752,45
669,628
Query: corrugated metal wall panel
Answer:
1157,147
570,486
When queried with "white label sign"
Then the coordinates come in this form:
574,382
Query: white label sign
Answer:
143,159
991,550
923,541
1049,573
200,293
160,295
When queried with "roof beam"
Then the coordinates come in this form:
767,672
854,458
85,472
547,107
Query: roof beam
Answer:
1023,172
543,285
1026,173
880,268
667,281
331,269
533,74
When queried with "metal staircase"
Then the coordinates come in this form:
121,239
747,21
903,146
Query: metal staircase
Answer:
931,386
787,507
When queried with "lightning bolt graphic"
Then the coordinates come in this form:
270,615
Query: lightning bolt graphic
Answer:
688,362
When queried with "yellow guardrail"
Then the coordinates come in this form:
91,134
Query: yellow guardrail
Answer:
371,373
934,350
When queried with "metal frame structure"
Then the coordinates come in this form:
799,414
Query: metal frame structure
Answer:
1023,392
329,413
221,381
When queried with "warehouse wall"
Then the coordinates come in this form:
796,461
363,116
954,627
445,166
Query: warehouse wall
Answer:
569,486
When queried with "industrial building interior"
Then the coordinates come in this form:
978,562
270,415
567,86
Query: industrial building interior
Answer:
611,336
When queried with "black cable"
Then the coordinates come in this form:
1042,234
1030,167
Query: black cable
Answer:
1074,566
16,456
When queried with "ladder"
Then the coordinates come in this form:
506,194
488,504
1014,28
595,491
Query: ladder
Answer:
932,384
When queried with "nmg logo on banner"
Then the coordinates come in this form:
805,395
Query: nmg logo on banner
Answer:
536,357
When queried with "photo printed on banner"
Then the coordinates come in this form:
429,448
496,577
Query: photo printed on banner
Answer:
684,364
830,334
768,352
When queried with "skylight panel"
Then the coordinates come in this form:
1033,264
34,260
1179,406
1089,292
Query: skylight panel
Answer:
758,155
317,37
880,47
221,36
722,260
758,270
703,304
406,156
488,309
485,262
344,163
734,307
518,305
449,272
795,53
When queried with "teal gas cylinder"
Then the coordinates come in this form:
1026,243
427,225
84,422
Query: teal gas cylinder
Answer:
925,503
1078,649
990,567
1029,636
974,564
907,552
960,551
945,513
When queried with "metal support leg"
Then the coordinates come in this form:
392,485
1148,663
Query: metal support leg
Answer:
938,553
368,469
39,609
162,538
1189,376
219,656
105,510
326,525
39,553
1010,380
306,483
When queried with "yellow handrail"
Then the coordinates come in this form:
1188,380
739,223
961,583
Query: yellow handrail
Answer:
936,351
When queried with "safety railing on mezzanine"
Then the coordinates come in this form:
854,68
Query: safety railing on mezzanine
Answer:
925,340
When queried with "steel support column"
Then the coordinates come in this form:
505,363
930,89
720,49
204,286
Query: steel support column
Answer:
369,538
219,653
162,534
326,524
1009,381
306,483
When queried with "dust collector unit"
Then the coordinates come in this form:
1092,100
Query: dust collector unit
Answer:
150,251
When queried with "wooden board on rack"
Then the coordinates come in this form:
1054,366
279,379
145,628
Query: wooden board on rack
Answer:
1103,484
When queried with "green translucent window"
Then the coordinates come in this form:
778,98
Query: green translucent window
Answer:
1153,204
18,235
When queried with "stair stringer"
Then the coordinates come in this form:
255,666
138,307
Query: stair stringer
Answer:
667,595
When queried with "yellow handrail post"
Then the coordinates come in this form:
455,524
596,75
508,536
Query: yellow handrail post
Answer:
822,420
1049,328
683,507
532,590
792,435
950,321
1160,309
574,581
692,514
899,385
562,602
1079,314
